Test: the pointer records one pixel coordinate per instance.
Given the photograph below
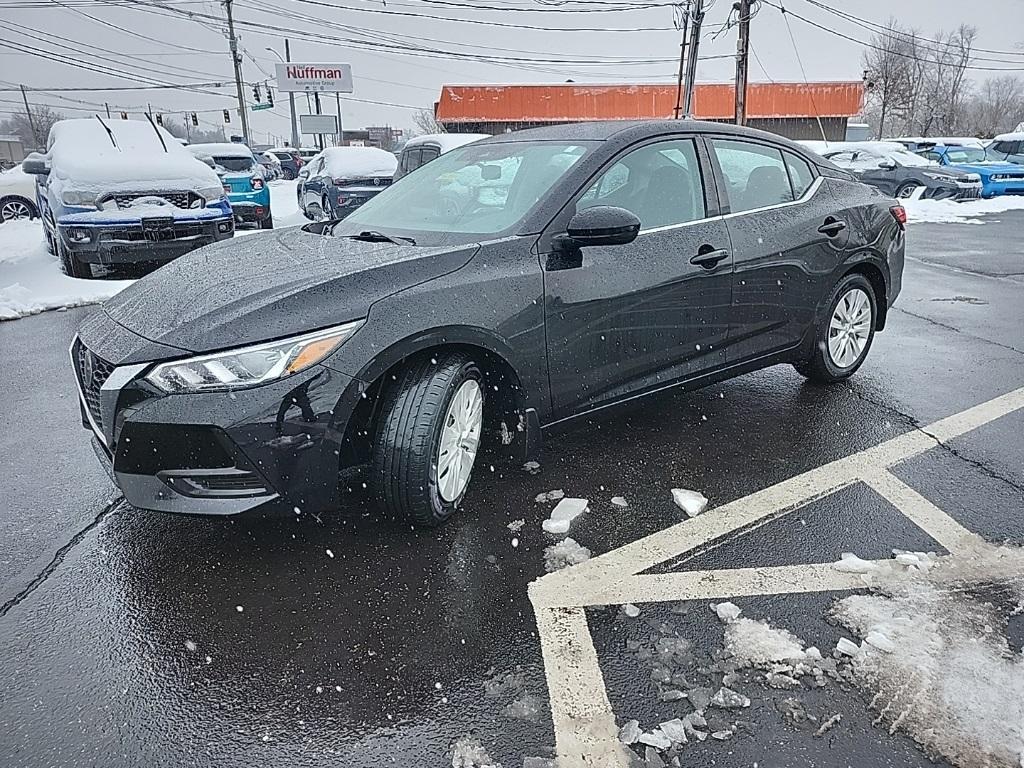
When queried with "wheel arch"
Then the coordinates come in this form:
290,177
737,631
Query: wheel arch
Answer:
867,264
32,207
503,384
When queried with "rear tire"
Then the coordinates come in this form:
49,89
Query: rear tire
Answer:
13,208
289,175
267,223
424,447
844,332
69,262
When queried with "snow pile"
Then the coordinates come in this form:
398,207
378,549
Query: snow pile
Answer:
564,554
691,502
951,212
359,162
850,563
31,280
753,643
937,660
563,514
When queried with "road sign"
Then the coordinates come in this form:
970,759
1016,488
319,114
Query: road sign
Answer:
293,77
258,107
318,123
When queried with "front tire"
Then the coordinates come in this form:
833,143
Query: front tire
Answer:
14,208
844,332
427,437
906,191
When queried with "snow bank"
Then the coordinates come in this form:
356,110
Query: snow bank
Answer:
950,212
31,280
937,659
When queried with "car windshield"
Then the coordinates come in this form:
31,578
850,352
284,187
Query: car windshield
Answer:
478,189
966,155
234,163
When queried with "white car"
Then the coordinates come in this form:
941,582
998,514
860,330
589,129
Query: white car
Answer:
17,195
420,150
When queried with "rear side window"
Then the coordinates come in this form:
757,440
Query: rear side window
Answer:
800,175
755,175
660,183
429,153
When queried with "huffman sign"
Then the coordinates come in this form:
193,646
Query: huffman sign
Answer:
293,76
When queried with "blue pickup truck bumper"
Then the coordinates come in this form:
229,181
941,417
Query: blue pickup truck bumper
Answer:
122,240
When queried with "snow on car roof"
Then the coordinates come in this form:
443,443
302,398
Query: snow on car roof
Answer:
82,152
946,141
222,149
359,161
446,141
1012,136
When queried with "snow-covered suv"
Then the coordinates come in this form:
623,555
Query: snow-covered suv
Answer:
118,192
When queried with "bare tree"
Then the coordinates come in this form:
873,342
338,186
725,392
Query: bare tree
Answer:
943,88
997,106
424,122
19,125
889,72
195,134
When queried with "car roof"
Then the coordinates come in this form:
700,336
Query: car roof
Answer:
446,141
604,130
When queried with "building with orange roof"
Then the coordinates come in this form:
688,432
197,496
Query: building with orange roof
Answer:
796,110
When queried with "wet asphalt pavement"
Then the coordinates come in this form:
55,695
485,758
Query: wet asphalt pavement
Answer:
129,638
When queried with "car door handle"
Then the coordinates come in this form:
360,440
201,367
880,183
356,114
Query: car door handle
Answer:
832,227
709,259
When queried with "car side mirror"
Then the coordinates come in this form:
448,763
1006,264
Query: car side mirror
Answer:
886,165
603,225
36,164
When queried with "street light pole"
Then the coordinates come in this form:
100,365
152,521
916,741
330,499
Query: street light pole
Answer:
291,96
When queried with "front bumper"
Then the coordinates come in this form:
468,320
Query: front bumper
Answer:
129,242
997,188
217,453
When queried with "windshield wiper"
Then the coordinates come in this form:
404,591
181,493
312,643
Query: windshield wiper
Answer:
373,236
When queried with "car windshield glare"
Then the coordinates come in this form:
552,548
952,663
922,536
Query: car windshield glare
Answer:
908,158
966,155
479,189
236,164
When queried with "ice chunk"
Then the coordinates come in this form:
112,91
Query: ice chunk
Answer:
847,647
653,759
564,554
675,730
671,695
692,723
467,752
527,707
563,514
880,641
619,501
828,724
691,502
630,610
850,563
550,496
727,698
655,739
190,646
532,467
755,642
539,762
516,525
699,697
727,612
629,732
722,735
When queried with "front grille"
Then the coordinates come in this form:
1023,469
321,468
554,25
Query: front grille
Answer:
969,193
92,371
180,199
135,233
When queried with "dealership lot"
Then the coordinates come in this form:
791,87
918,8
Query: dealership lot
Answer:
291,641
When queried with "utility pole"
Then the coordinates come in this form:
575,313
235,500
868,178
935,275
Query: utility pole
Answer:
742,53
341,129
236,61
319,137
691,63
188,130
291,98
677,111
31,120
107,107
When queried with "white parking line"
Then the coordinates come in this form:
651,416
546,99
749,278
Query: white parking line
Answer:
585,733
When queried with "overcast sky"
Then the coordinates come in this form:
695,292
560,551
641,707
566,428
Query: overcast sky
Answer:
106,41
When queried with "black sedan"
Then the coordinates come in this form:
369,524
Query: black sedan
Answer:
511,284
899,172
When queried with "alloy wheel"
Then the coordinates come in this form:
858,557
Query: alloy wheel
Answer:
460,439
15,209
850,328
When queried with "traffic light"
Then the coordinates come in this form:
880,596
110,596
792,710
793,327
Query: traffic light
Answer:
159,119
194,117
270,97
227,115
256,93
124,115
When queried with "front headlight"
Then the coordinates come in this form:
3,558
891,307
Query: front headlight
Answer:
938,176
211,194
248,366
78,197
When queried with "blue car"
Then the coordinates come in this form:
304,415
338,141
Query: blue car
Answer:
997,177
244,181
124,192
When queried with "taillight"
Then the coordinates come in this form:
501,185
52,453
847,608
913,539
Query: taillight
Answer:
227,190
257,183
900,214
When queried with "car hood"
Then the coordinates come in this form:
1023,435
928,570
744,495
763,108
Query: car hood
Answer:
988,168
264,287
945,171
